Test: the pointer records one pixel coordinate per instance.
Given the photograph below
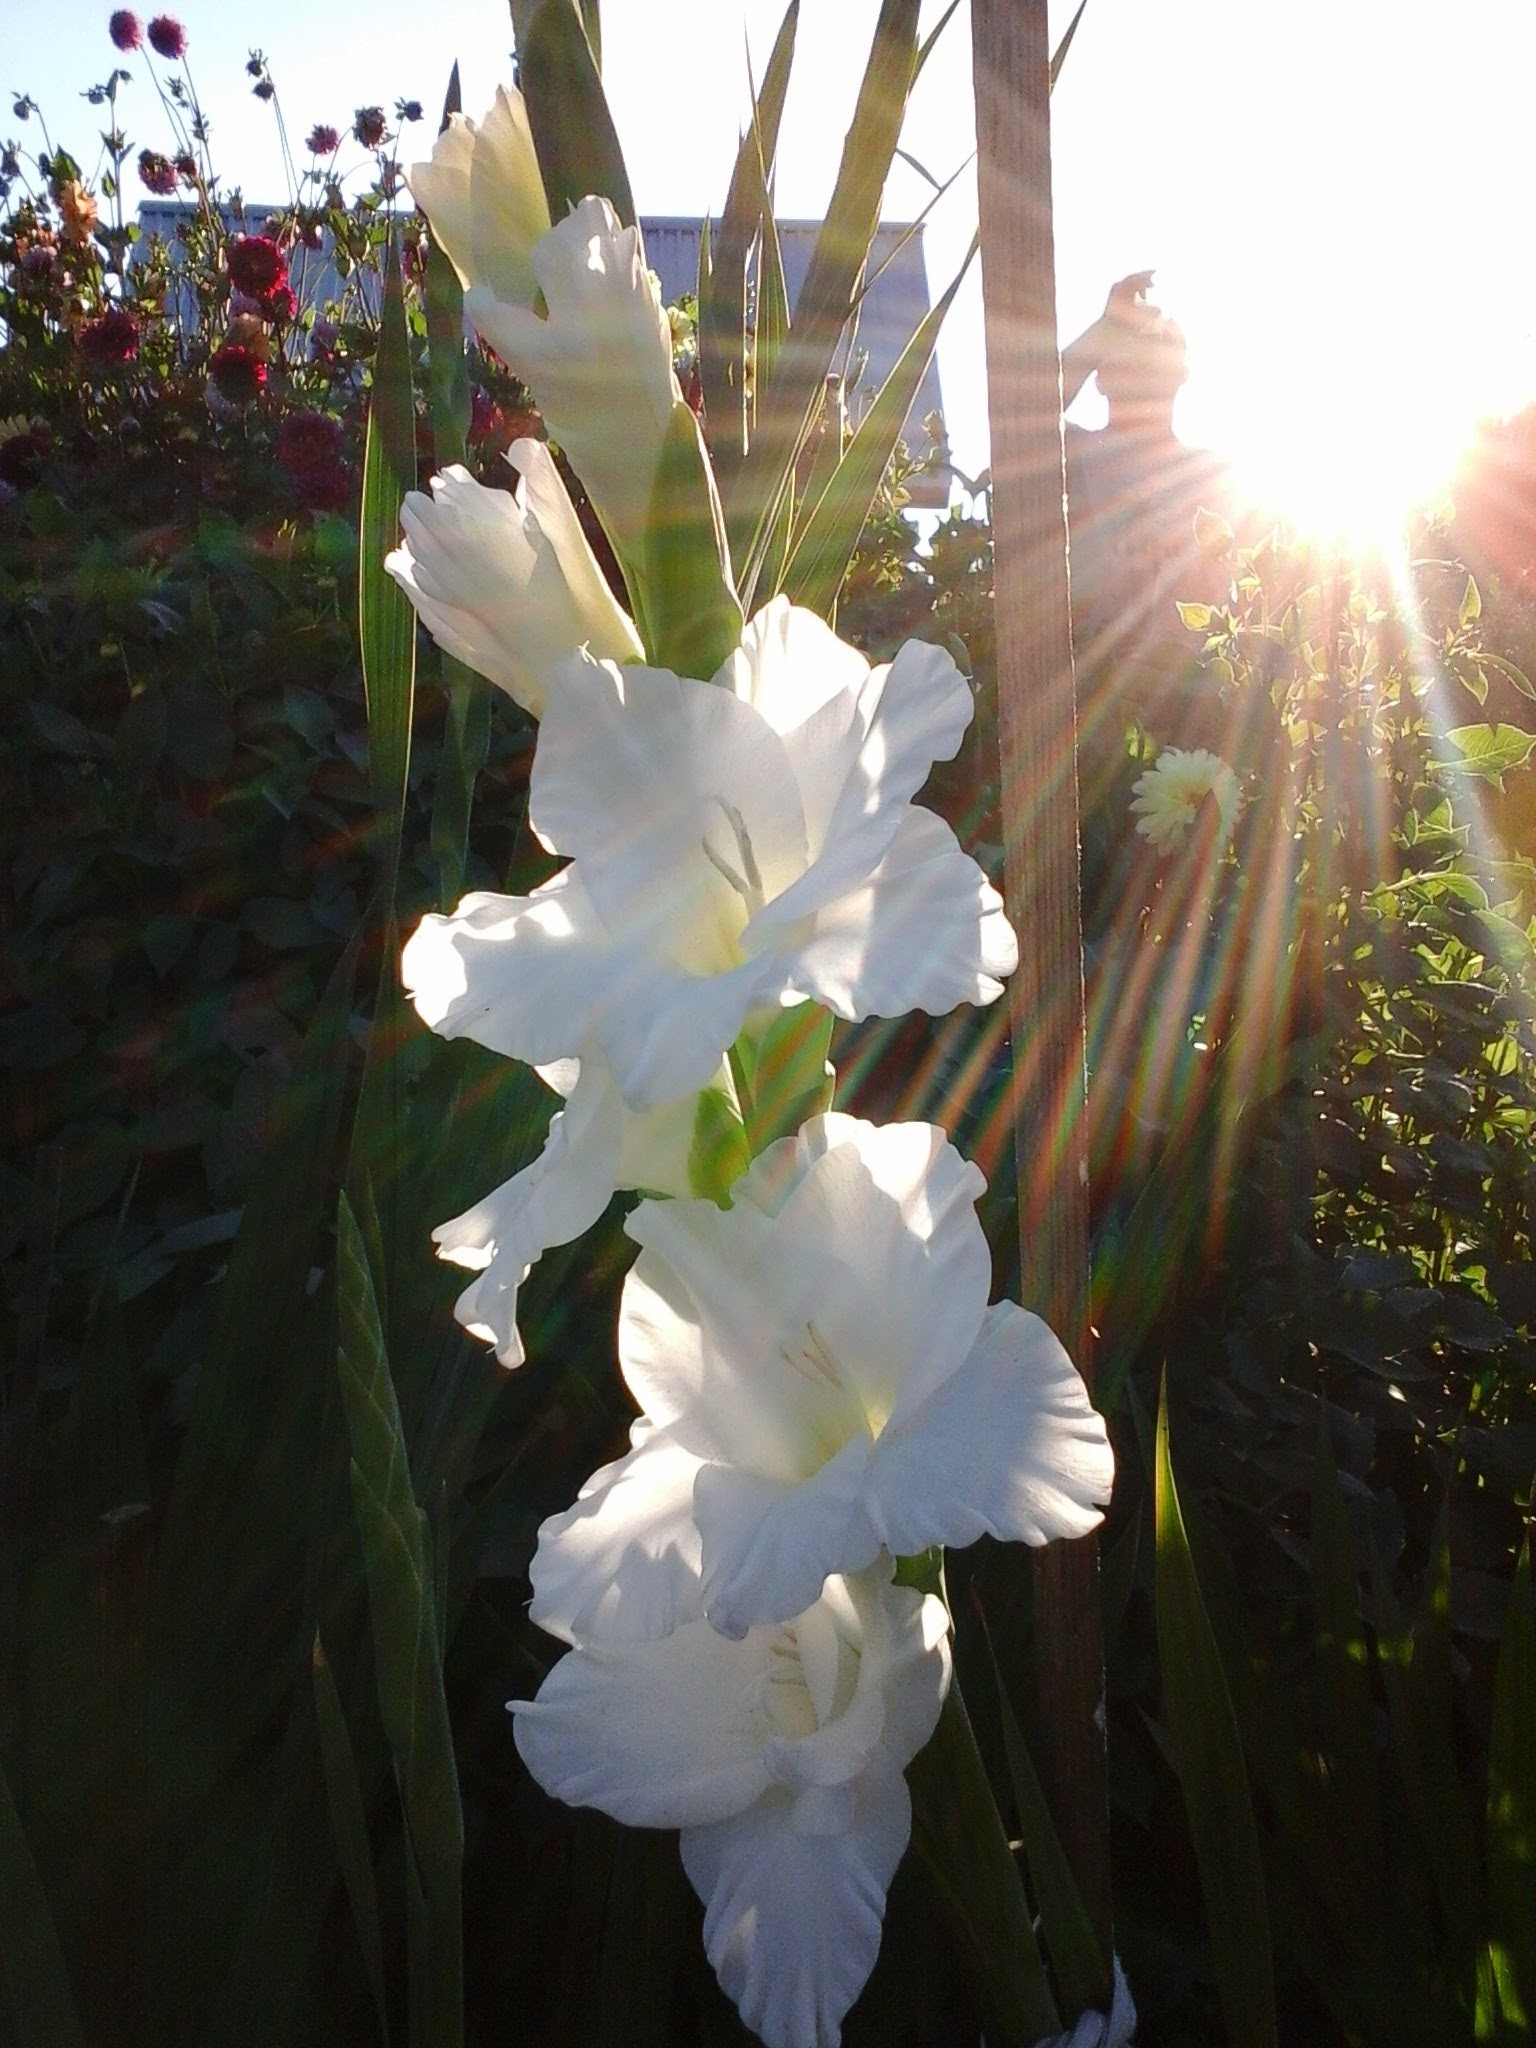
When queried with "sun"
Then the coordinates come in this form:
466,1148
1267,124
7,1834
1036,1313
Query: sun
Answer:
1337,433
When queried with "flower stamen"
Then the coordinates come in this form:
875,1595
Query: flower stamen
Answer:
748,882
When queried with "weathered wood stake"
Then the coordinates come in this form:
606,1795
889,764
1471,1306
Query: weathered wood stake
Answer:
1037,727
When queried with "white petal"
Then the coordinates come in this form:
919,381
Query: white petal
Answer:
887,1215
925,932
805,682
660,1734
909,714
622,1564
1011,1446
533,977
792,1918
766,1548
552,1201
713,1336
637,772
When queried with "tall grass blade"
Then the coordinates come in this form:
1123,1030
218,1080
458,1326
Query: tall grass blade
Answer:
32,1968
825,545
399,1570
1203,1735
386,622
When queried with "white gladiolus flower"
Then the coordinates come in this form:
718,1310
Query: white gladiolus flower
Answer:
821,1378
508,585
780,1758
595,1147
600,363
1170,793
736,846
484,199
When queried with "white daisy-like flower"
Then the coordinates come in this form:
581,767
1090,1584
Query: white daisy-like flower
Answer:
1170,793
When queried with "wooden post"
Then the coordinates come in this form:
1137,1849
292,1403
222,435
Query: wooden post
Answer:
1037,730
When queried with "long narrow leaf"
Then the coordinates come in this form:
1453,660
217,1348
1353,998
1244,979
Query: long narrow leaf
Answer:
386,622
32,1968
723,290
692,615
1060,55
1349,1712
1202,1729
349,1828
573,132
960,1840
1072,1948
1512,1809
825,546
827,297
407,1644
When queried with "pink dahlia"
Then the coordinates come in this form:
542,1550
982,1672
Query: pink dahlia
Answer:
323,140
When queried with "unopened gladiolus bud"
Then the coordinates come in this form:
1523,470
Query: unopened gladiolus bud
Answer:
508,584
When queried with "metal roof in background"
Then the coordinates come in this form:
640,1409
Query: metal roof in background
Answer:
893,307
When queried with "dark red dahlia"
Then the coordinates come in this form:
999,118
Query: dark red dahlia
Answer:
256,266
157,173
110,340
370,126
306,440
280,305
323,488
167,37
123,27
238,373
21,458
323,140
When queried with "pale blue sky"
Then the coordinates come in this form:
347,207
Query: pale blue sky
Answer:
1336,193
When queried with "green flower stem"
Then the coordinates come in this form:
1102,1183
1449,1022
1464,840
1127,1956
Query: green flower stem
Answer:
959,1835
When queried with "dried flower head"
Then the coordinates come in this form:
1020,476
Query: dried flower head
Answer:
186,167
124,29
110,340
167,37
370,127
247,331
237,373
157,173
256,266
323,140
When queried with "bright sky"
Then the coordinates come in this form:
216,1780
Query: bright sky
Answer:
1336,193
